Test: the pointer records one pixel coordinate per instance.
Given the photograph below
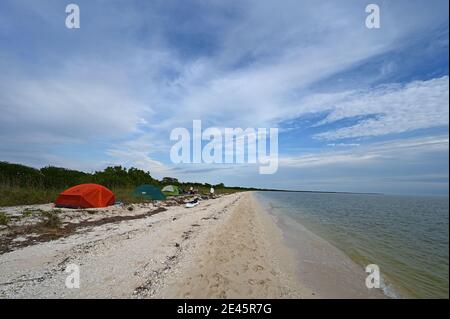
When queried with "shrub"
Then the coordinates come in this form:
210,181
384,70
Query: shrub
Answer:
51,219
4,219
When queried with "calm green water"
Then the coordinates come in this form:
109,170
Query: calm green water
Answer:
407,237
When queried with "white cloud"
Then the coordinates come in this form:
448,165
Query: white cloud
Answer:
129,76
138,159
398,108
411,166
66,109
370,153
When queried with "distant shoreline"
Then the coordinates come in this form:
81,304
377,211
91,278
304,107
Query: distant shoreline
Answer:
318,192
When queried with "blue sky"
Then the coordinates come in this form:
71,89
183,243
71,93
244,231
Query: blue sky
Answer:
357,109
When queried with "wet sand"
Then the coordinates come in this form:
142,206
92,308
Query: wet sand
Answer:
322,267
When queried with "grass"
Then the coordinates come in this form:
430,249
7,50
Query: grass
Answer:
15,195
51,219
125,195
30,211
4,219
23,185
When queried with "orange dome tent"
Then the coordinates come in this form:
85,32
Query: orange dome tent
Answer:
85,196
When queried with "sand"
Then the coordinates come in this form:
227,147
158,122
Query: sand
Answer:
241,257
226,247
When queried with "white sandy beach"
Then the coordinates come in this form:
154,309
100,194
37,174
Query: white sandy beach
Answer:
226,247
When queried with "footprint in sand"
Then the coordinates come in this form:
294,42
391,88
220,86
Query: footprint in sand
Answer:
258,268
262,282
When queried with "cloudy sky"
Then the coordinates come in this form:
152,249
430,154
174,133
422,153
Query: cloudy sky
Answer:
357,109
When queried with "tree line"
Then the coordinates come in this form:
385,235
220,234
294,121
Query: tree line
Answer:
113,177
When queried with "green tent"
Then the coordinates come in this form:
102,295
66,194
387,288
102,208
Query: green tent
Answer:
149,192
170,190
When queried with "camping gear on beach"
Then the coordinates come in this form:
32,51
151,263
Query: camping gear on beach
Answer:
170,190
85,196
149,192
193,191
192,203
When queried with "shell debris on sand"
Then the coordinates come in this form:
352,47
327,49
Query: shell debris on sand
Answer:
223,248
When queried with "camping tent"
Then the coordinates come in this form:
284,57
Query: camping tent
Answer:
170,190
85,196
149,192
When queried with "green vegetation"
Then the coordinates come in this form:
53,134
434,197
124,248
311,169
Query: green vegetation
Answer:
15,195
4,219
30,212
51,219
23,185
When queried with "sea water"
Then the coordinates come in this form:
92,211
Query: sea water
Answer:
407,237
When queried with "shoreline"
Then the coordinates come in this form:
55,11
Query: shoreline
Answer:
227,247
321,266
243,257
